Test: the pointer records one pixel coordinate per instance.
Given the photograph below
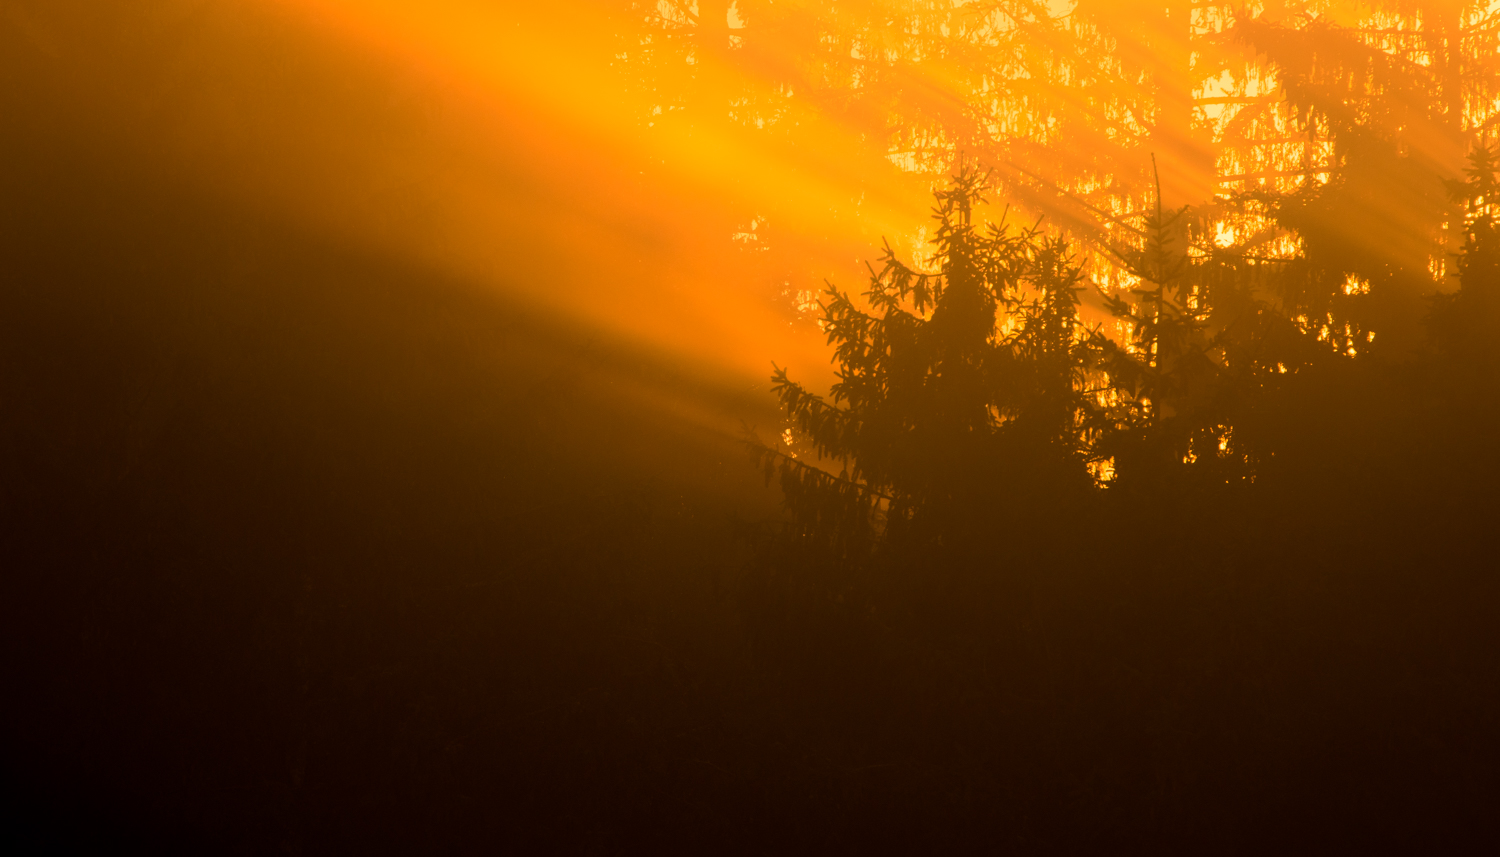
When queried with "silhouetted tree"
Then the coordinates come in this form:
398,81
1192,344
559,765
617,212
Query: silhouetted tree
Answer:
963,391
970,391
1462,323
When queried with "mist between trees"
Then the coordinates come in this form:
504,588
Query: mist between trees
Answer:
1295,130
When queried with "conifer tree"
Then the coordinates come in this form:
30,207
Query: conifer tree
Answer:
962,387
1185,322
1462,322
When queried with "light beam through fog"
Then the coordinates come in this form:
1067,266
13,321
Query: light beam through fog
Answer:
685,177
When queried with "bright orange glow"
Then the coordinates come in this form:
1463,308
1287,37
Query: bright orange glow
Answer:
687,185
542,183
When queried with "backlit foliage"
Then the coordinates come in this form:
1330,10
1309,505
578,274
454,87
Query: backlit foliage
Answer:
970,388
972,384
1316,132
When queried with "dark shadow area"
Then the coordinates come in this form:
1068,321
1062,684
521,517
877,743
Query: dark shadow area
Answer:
308,550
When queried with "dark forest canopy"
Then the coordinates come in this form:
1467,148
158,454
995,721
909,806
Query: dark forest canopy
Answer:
973,386
1175,519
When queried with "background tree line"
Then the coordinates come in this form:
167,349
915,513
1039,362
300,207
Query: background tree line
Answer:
1314,135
